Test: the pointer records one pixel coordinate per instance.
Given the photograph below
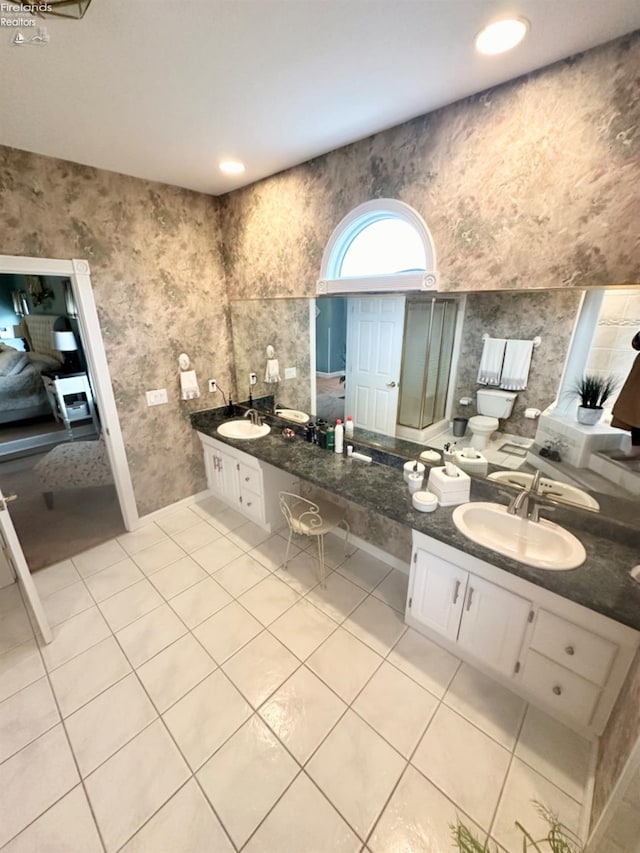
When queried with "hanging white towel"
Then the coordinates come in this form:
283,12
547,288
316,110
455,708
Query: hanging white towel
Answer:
272,373
517,361
189,385
491,361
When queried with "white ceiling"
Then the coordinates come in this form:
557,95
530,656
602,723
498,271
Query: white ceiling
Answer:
163,89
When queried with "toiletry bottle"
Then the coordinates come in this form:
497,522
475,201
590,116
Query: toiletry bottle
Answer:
348,427
321,434
331,438
339,436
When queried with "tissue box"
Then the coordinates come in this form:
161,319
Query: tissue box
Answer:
476,464
449,490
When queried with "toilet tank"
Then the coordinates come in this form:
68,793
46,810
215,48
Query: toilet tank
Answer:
495,403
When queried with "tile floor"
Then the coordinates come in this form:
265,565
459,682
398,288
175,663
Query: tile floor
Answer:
493,452
197,697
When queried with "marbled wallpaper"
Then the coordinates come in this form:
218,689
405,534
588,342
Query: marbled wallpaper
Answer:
550,314
159,287
532,184
283,324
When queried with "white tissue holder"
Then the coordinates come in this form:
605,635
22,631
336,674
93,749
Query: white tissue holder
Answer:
449,490
476,464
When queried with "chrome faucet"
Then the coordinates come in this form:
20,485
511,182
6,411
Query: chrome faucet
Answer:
520,504
255,417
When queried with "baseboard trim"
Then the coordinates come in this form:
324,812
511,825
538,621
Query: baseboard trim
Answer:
167,510
367,547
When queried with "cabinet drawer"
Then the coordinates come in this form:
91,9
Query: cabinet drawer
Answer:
559,688
250,478
251,504
577,649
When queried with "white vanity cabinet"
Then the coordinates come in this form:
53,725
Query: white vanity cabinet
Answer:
246,484
558,655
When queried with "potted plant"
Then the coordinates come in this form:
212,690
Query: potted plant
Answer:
558,839
593,391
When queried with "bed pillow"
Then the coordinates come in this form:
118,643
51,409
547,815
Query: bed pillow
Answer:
12,362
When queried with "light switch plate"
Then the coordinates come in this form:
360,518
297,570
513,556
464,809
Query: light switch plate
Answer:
157,397
290,373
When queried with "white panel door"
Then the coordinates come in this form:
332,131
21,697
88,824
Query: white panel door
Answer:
493,624
375,326
437,593
12,553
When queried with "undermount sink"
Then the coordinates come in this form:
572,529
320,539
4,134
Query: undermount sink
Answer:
294,415
243,429
550,488
541,544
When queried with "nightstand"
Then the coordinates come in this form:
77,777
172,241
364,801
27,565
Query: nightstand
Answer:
60,386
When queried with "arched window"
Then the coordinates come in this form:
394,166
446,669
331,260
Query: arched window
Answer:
382,245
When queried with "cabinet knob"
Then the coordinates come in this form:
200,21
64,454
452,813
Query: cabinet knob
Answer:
246,479
557,690
249,503
570,650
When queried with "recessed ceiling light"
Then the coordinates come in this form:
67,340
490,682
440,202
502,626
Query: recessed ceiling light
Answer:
501,36
231,167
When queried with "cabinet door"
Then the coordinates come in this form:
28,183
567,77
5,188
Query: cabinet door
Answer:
222,476
493,624
437,593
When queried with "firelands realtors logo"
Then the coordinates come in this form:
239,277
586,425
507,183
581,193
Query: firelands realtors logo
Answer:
12,15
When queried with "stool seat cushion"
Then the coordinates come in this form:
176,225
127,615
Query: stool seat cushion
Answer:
74,465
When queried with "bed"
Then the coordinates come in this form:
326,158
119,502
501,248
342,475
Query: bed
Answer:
22,393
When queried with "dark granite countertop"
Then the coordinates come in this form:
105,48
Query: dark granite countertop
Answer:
602,583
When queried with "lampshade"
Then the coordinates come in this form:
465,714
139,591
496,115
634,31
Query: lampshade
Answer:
64,341
18,331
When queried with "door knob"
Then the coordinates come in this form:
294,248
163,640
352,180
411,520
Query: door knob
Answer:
391,384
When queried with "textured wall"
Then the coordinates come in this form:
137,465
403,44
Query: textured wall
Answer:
533,184
550,314
159,288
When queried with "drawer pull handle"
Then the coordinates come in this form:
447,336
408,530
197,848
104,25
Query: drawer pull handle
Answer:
456,592
557,690
469,598
570,650
246,479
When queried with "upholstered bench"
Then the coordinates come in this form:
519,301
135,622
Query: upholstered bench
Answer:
73,465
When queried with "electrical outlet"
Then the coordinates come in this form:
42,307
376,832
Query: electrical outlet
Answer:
213,385
290,373
157,397
252,379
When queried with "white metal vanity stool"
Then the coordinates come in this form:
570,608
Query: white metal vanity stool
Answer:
312,518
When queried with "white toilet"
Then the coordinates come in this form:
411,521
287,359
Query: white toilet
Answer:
492,404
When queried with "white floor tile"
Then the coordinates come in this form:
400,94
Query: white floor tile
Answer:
302,572
208,507
302,712
141,538
215,555
240,574
158,556
393,590
376,624
209,714
424,661
417,819
248,535
174,671
127,606
109,721
150,634
95,559
197,603
67,602
357,770
487,704
25,716
10,598
272,551
268,599
260,668
50,580
127,789
15,628
396,707
33,779
365,570
177,577
443,756
338,598
115,578
334,549
245,777
19,667
67,827
195,537
227,631
88,674
178,520
558,753
303,628
227,520
344,663
74,636
185,824
305,814
524,787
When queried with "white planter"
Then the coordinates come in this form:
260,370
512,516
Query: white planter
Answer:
589,417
